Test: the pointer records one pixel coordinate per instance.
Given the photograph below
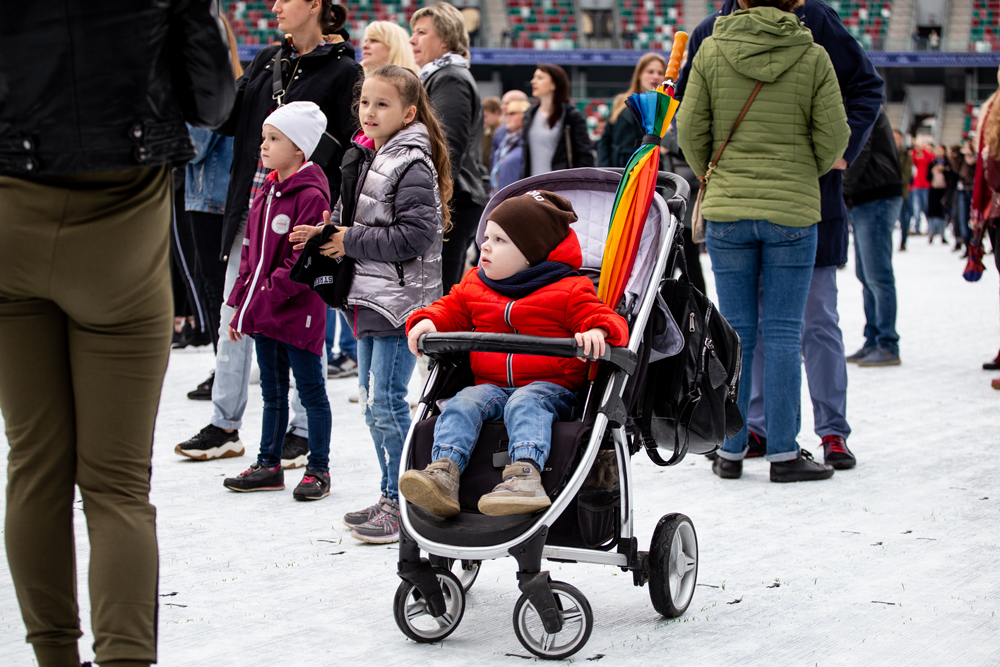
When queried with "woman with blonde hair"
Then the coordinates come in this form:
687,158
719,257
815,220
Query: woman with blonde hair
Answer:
386,43
618,142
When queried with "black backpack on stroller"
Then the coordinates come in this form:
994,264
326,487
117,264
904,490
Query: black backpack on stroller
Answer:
687,402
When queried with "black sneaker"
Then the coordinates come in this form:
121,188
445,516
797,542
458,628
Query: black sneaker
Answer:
836,453
727,469
294,451
859,355
257,478
802,469
355,519
211,443
191,336
343,366
203,392
757,446
315,485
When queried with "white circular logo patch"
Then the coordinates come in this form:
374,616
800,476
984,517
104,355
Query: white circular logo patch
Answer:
279,225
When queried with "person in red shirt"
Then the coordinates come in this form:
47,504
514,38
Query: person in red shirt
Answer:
528,284
920,190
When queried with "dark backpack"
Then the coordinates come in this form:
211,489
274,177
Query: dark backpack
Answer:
688,401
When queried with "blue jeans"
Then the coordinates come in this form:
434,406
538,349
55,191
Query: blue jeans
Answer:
745,254
348,345
233,360
384,368
935,225
275,358
963,202
918,203
904,221
823,353
873,223
528,411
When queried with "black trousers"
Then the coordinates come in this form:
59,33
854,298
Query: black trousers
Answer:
465,217
209,271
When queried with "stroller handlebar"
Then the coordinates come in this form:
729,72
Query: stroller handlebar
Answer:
440,344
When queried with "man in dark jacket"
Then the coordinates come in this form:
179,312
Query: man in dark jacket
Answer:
822,340
89,125
874,194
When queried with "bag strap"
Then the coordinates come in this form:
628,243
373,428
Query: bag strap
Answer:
718,154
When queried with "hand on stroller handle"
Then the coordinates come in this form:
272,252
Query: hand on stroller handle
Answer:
440,344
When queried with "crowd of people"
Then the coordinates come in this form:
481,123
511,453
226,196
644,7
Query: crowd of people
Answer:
376,166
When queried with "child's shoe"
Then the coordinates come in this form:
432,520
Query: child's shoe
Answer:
435,488
294,451
520,492
315,485
382,528
355,519
257,478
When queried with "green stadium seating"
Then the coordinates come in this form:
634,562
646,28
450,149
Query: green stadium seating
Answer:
550,25
984,34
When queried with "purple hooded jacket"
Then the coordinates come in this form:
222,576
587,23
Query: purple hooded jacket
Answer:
264,296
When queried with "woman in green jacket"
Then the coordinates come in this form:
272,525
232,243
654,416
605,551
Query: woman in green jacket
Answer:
763,199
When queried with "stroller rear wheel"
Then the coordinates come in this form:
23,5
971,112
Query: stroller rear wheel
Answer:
415,620
673,572
466,571
577,620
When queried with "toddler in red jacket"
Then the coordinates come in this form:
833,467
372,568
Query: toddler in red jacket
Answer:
527,284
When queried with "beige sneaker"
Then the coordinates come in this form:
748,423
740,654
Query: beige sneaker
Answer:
520,492
435,488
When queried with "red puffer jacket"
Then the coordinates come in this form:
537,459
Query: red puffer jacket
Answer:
559,310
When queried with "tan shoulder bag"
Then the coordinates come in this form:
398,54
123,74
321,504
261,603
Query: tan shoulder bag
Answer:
697,219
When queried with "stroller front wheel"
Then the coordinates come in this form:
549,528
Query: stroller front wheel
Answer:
673,572
577,623
415,620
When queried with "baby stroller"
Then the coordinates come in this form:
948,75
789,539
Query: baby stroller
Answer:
590,519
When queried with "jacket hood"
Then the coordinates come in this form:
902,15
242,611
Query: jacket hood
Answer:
568,251
308,176
763,42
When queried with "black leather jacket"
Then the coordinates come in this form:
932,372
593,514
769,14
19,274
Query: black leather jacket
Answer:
84,89
455,98
327,75
876,173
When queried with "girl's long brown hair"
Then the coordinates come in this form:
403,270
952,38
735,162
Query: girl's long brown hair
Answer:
560,95
412,93
619,103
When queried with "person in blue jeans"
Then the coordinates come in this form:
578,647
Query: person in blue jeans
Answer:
764,199
873,191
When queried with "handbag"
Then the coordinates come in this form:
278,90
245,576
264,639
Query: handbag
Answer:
697,219
688,401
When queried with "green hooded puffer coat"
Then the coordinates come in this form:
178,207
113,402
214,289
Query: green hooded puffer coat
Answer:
793,134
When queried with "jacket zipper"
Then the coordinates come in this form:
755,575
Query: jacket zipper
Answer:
399,274
510,357
260,264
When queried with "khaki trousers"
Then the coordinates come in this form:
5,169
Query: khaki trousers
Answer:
85,327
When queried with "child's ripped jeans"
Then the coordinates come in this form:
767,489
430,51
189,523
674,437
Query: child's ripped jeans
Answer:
528,411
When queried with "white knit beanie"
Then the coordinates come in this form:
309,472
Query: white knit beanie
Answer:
302,122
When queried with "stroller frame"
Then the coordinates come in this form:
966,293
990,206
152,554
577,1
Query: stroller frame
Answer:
429,586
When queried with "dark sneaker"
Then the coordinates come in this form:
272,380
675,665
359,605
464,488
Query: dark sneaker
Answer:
836,453
203,392
802,469
993,365
860,354
727,469
382,528
343,366
315,485
211,443
294,451
435,488
520,492
757,446
880,357
355,519
257,478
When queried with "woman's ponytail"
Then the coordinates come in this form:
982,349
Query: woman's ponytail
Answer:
332,17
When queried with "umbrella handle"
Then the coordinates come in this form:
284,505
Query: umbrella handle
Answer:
676,55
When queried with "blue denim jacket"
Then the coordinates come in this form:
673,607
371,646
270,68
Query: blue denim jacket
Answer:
207,175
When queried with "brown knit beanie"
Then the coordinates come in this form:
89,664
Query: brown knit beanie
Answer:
536,222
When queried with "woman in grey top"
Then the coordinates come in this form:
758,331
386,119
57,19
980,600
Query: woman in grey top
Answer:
555,131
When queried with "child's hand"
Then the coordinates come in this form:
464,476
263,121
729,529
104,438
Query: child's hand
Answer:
335,246
593,338
234,335
418,330
302,233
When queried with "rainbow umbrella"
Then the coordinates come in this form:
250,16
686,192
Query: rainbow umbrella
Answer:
654,110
